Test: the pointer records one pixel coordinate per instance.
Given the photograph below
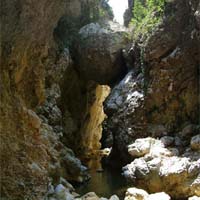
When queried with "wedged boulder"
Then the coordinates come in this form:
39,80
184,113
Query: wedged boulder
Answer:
99,52
159,170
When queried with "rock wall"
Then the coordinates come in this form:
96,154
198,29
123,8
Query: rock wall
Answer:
24,46
91,132
35,66
160,97
128,13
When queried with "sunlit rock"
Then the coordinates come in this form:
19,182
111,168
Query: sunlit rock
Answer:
139,194
159,196
99,52
194,198
136,194
91,132
148,146
162,173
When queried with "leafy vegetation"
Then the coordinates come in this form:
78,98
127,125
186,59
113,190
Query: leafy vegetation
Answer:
147,14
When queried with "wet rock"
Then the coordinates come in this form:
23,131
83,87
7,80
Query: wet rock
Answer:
99,52
195,142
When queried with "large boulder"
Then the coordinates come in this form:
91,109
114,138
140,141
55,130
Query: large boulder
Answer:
159,169
99,52
135,194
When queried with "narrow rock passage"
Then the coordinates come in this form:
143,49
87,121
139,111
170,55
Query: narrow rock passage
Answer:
76,87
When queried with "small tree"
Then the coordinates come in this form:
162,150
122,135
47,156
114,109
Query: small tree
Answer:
146,15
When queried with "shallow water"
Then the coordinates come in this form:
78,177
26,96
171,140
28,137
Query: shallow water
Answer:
104,183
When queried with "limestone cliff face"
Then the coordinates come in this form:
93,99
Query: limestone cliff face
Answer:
34,61
92,130
173,68
164,97
25,41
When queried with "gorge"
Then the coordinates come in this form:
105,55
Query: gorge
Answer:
91,109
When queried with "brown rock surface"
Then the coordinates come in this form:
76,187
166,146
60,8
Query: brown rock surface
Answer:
31,68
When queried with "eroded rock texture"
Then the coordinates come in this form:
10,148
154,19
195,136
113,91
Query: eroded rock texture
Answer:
54,55
163,96
36,72
99,55
128,13
157,167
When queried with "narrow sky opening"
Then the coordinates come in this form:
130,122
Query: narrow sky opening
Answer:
119,7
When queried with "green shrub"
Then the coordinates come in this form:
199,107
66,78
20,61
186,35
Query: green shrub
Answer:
147,14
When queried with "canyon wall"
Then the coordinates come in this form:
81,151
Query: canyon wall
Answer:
43,98
160,95
55,56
